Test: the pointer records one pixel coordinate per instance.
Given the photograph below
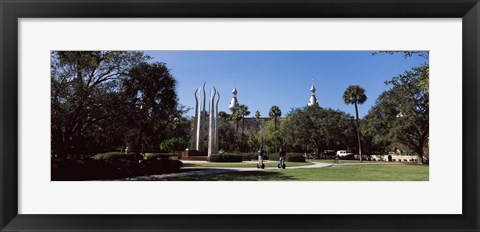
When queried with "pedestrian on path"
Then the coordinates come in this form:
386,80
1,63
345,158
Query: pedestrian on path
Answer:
281,157
260,159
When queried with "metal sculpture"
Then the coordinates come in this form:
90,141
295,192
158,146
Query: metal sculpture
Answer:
198,138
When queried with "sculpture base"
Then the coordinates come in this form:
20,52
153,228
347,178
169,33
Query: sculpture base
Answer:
197,158
194,155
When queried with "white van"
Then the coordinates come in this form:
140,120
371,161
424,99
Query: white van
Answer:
343,153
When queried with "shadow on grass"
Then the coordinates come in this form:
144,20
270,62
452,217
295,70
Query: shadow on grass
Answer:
232,176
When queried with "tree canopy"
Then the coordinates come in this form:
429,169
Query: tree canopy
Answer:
105,100
318,129
275,113
401,114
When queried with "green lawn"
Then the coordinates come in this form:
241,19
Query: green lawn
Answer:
242,165
378,172
339,161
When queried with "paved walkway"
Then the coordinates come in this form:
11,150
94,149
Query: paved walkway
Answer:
188,171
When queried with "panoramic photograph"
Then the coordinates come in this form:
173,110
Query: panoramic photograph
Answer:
239,115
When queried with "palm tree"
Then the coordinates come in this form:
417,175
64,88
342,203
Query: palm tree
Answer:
275,112
257,115
236,116
222,115
355,94
243,111
257,118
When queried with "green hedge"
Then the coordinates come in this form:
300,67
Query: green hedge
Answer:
110,155
113,168
157,156
273,157
248,156
295,158
255,156
225,158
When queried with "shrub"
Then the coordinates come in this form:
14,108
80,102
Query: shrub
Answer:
273,157
215,158
295,158
110,155
225,158
325,155
255,156
246,156
348,157
154,166
174,144
113,168
149,156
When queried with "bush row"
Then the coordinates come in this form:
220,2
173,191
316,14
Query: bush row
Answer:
121,155
157,156
114,168
248,156
239,157
295,158
225,158
112,155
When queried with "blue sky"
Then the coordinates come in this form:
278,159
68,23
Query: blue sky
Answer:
283,78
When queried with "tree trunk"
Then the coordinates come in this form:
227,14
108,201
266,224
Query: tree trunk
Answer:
139,142
243,133
275,122
419,152
420,158
243,125
358,135
419,148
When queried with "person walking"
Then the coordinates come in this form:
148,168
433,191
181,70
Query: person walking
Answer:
281,157
260,159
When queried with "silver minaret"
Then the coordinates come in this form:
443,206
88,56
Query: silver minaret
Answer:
234,103
313,100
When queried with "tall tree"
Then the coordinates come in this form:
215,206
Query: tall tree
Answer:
236,116
150,92
407,122
355,95
85,95
226,132
318,129
222,115
404,110
257,119
275,113
243,109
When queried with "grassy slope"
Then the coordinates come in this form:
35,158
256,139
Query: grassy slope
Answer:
380,172
341,161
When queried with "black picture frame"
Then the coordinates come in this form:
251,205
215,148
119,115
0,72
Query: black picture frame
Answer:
11,11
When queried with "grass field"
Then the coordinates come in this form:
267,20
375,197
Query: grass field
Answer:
243,164
340,161
377,172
